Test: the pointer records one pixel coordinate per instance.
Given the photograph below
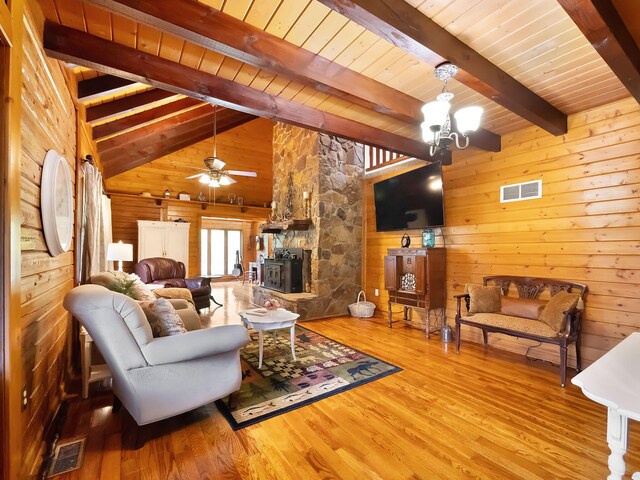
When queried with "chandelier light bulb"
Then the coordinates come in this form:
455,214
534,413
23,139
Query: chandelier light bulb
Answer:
204,178
435,115
214,183
468,119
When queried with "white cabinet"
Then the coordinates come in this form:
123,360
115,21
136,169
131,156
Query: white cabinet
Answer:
164,239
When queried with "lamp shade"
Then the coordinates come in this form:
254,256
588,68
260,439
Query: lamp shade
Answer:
435,115
205,178
122,252
224,180
468,119
214,183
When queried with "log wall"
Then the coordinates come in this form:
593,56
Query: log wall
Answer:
586,227
48,122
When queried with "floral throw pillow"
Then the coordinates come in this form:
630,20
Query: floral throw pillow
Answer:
163,318
140,290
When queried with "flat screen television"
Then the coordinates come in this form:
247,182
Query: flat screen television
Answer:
412,200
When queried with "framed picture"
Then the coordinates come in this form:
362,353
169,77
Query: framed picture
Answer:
56,203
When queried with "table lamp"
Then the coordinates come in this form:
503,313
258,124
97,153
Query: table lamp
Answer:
120,252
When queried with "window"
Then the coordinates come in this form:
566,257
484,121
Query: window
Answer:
218,249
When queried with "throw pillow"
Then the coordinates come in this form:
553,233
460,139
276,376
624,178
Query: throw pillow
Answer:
522,307
140,290
553,313
163,318
483,299
181,293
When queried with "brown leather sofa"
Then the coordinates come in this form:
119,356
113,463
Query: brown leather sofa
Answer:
171,273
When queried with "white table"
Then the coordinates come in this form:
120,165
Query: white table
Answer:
262,320
614,381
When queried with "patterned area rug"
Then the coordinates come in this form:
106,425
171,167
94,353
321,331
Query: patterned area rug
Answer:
324,367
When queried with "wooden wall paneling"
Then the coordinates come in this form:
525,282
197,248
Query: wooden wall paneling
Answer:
11,371
48,122
584,228
125,213
247,147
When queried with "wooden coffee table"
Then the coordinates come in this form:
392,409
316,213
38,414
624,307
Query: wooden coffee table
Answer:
262,320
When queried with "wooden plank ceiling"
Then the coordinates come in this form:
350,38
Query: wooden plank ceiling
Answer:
359,69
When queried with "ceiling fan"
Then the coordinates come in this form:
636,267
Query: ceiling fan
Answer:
215,175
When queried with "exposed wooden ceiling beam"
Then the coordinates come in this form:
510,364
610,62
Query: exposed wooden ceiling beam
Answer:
82,48
125,105
157,128
146,151
142,149
143,118
100,86
600,22
406,27
217,31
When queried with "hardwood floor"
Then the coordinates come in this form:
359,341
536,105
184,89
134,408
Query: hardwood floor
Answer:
476,415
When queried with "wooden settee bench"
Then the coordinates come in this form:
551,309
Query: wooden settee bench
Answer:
509,322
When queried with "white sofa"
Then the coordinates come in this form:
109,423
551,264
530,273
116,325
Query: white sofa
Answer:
157,378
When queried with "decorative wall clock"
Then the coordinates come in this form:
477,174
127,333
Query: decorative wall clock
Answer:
56,203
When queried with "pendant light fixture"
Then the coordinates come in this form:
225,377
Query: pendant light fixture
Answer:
436,128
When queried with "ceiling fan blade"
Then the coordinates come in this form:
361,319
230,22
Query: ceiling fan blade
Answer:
194,176
242,173
218,164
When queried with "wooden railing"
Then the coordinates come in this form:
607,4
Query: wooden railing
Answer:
375,158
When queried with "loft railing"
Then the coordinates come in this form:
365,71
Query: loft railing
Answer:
376,158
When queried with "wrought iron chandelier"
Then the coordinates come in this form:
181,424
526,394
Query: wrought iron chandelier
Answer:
436,128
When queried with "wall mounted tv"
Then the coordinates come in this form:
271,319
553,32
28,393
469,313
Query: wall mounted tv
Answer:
412,200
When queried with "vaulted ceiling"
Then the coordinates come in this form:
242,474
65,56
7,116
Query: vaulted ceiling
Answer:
359,69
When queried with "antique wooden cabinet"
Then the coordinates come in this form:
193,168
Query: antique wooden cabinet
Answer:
415,279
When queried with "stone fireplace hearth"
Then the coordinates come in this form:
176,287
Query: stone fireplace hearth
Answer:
330,169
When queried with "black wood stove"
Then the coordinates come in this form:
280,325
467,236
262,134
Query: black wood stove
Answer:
283,273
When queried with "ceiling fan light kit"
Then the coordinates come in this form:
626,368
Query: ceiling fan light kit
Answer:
214,174
436,128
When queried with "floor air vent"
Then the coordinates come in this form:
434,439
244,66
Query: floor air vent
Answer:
521,191
68,456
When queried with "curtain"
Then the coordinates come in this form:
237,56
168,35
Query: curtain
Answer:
96,232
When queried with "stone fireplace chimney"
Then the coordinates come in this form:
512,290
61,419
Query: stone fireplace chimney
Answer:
330,169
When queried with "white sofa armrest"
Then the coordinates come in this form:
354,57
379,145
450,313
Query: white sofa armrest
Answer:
195,344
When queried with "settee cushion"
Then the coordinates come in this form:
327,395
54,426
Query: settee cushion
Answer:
517,324
522,307
483,299
163,318
553,313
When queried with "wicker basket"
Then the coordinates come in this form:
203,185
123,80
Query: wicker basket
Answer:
362,309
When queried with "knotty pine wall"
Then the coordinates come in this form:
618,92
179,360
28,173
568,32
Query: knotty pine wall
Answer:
585,228
246,147
48,122
126,210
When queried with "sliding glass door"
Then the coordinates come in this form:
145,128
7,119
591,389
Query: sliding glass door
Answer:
218,249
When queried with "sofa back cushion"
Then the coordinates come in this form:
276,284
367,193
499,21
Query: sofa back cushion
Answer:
553,313
483,299
159,268
522,307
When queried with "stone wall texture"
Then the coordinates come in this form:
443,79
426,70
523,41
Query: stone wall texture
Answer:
330,169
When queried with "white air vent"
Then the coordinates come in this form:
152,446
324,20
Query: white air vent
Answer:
521,191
